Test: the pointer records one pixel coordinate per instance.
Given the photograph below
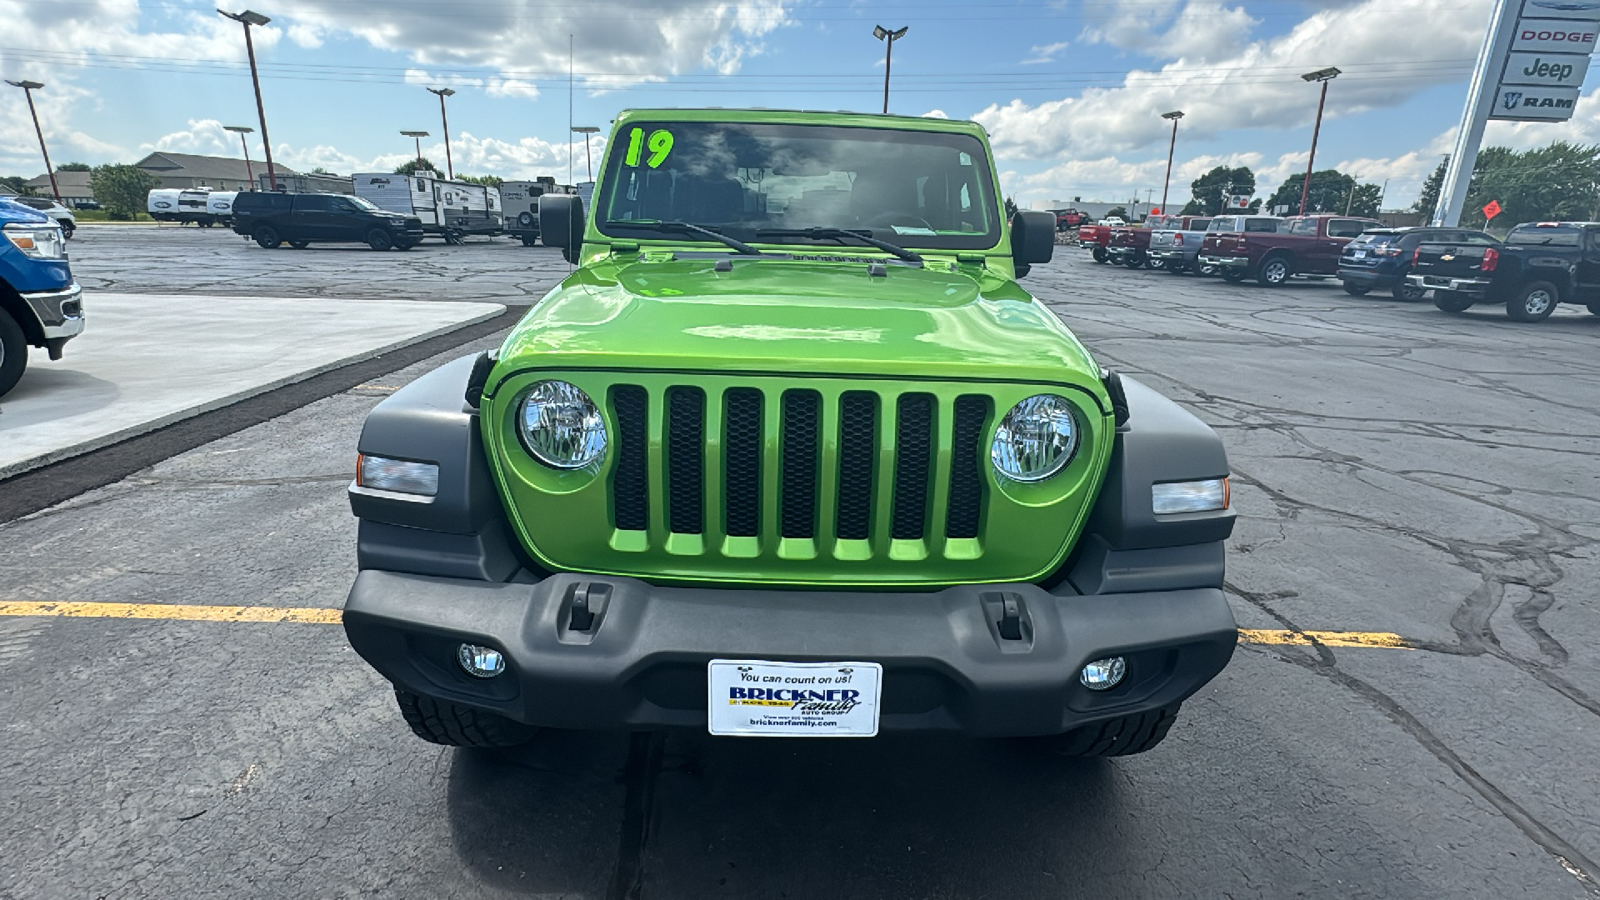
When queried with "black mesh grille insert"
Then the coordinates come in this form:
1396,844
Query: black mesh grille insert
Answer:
686,464
801,426
966,472
858,438
629,496
913,458
742,456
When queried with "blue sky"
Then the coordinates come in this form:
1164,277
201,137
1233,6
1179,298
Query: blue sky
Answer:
1071,90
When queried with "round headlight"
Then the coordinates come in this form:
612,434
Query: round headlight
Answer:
561,426
1035,439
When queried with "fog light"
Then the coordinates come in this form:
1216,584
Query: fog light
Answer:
1189,496
403,476
1100,675
486,662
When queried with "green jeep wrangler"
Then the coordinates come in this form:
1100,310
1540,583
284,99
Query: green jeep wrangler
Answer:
790,452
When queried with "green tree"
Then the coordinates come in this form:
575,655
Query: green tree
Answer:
1558,182
413,166
1116,212
73,167
123,190
1332,191
16,183
493,181
321,171
1210,190
1429,198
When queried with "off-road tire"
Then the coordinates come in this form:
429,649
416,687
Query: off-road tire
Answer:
440,722
1117,737
378,239
268,238
1452,301
13,352
1527,305
1407,292
1356,290
1274,271
299,245
1100,254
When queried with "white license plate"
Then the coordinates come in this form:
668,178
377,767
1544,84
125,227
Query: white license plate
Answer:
753,698
1358,254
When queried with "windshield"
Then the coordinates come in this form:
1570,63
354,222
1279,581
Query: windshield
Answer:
913,188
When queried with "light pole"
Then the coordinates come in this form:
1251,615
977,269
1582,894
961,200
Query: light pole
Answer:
243,130
417,136
587,130
1324,76
889,37
248,18
1175,115
449,167
28,88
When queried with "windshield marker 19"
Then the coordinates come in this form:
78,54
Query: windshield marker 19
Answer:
660,145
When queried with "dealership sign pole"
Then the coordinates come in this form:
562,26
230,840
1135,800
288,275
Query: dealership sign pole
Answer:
1530,68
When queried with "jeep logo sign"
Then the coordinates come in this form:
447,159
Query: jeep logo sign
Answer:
1533,103
1546,69
1554,36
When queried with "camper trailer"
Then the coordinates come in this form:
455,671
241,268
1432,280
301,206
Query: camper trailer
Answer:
521,199
451,209
171,205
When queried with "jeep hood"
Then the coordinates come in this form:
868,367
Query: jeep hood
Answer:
800,317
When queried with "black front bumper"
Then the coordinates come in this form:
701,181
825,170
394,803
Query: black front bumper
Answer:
642,663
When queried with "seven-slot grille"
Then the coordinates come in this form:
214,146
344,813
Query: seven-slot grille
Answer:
871,466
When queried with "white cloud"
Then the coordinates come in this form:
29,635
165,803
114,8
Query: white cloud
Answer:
1257,86
1045,53
935,114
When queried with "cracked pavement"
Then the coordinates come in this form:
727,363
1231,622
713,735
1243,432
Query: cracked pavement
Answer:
1395,468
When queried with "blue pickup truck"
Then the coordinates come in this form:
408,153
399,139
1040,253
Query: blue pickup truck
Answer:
40,304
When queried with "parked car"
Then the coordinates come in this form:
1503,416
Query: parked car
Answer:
1176,245
675,498
60,214
1380,259
303,219
1299,245
1131,246
1537,267
1113,222
1068,219
1096,239
40,305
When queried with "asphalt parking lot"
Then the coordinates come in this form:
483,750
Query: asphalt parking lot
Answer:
1413,713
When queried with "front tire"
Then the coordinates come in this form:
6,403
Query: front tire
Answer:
1157,263
1452,301
1135,260
378,239
268,238
1275,272
1100,254
1233,276
1355,290
441,722
13,352
1533,303
1117,737
67,228
1406,291
299,245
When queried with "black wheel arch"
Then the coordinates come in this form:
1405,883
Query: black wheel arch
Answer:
12,303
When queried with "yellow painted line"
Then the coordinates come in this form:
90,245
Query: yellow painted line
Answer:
1387,640
311,615
301,614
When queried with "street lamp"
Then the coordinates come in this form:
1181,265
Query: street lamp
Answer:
248,18
243,130
587,130
417,136
1324,76
884,34
1175,115
449,167
28,88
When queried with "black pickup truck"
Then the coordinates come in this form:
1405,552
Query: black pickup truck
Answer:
272,219
1538,266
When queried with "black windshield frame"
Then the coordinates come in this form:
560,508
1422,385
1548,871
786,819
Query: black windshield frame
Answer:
623,187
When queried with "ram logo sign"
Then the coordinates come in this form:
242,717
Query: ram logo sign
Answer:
1535,104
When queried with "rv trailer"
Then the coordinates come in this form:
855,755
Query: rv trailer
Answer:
451,209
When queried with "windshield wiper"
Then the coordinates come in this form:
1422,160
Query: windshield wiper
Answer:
820,233
684,228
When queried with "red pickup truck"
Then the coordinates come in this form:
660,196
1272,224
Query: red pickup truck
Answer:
1131,246
1300,245
1095,238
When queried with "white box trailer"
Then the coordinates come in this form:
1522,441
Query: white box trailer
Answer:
452,209
520,216
184,206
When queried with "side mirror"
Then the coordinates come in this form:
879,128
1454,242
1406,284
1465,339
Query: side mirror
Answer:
561,224
1033,239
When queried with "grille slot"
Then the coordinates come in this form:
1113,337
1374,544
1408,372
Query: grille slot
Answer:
630,486
742,460
912,463
858,453
801,451
966,467
686,464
